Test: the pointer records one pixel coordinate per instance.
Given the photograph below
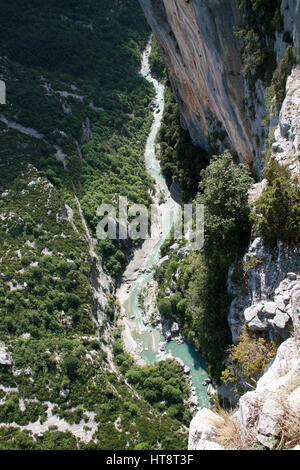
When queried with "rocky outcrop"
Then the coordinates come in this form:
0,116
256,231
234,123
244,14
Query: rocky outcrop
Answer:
201,52
202,56
267,294
5,358
264,410
203,428
263,413
101,283
268,298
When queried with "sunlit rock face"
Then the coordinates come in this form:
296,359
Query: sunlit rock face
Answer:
202,56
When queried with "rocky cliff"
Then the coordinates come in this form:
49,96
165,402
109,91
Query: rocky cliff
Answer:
202,56
265,416
203,59
266,286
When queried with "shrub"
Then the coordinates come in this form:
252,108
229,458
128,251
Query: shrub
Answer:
248,361
277,211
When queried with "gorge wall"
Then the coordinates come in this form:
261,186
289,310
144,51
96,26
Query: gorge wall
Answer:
203,59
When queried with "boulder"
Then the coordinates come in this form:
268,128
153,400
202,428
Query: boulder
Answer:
203,429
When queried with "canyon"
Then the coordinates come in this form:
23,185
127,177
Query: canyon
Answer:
202,55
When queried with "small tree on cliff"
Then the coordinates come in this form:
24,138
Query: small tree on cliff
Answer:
248,360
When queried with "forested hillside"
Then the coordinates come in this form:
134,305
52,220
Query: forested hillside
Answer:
72,137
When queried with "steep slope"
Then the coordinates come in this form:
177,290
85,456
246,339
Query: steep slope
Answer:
209,48
202,57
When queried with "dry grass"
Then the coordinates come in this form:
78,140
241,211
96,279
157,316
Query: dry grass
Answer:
228,431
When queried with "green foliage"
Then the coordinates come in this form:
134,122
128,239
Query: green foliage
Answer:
261,19
165,307
70,101
278,83
248,360
163,384
277,211
224,193
201,302
71,70
71,364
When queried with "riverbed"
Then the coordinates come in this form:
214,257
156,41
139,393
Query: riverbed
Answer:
143,341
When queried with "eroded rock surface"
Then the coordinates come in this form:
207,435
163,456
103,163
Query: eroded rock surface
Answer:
202,56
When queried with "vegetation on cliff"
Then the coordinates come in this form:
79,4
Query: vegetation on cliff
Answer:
201,303
260,21
73,92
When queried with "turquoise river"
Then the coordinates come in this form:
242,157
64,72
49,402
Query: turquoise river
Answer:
142,340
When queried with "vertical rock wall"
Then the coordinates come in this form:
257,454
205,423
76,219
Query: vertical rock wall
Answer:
202,56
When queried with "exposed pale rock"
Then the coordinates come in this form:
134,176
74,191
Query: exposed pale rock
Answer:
64,394
163,261
270,301
280,303
287,133
211,390
174,328
255,318
281,319
269,308
256,190
203,430
182,252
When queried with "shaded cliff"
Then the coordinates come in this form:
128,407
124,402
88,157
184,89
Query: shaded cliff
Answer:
202,56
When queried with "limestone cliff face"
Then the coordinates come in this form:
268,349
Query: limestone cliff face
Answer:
267,300
290,10
202,56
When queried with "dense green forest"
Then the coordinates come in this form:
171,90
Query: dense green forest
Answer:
75,124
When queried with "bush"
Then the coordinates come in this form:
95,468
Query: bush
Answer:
71,364
277,211
165,307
